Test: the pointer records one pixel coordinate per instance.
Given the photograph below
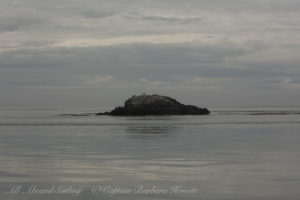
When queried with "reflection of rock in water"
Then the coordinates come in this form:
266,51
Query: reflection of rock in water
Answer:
141,131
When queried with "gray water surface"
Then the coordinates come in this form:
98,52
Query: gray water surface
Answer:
234,153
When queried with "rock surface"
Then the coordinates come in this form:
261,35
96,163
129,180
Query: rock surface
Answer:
155,105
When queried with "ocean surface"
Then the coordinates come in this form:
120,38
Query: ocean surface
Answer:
236,153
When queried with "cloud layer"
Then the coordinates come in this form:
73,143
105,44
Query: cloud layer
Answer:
242,52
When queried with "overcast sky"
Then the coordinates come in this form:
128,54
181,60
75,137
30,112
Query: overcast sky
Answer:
100,52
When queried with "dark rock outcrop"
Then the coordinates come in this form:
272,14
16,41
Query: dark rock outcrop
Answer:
155,105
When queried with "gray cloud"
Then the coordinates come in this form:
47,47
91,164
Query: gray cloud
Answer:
163,64
11,24
240,49
182,20
130,55
94,14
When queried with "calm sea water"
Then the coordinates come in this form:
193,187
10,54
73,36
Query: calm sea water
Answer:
234,153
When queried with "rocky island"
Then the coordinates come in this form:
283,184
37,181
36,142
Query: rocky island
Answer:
155,105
